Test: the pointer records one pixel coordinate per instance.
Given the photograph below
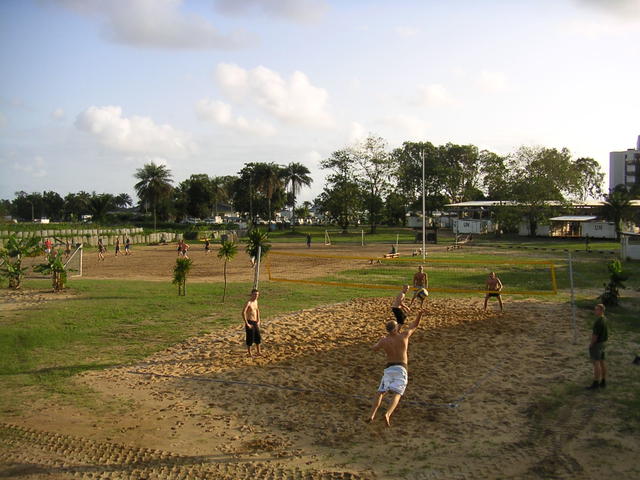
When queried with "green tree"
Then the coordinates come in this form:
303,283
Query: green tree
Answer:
52,205
341,199
154,185
122,200
55,267
269,179
76,205
257,242
395,209
27,206
617,207
227,251
100,204
180,272
12,254
611,295
296,176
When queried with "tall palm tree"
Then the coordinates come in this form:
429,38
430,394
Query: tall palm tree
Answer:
296,176
268,178
154,185
227,251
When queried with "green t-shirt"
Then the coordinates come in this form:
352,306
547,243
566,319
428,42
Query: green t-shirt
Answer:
601,329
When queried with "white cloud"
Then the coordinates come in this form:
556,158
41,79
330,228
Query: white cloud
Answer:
294,100
434,95
222,114
406,32
35,169
357,133
297,10
411,128
134,134
57,114
622,8
492,81
154,23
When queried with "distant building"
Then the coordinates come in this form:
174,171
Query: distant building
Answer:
624,167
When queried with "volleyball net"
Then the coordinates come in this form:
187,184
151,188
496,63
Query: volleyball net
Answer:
447,275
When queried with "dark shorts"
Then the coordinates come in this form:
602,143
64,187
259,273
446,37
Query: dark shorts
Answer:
253,334
597,352
400,315
489,295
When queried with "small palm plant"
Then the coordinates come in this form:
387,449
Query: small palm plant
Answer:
257,244
55,267
227,251
11,258
611,295
180,272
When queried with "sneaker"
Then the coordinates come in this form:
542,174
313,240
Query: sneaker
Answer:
594,386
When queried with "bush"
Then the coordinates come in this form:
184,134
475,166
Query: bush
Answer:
611,295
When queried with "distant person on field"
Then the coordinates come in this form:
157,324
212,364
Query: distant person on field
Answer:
207,246
101,250
421,284
48,245
180,247
67,248
117,246
185,248
396,374
308,240
599,336
127,246
251,318
398,307
493,287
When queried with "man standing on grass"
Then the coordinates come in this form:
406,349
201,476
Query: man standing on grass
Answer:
395,345
420,282
251,317
599,335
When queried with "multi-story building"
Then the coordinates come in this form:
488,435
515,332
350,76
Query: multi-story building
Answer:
624,167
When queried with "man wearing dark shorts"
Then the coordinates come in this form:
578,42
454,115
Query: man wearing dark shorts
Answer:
251,317
493,287
398,307
599,336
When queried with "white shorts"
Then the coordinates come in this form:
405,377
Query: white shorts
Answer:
394,380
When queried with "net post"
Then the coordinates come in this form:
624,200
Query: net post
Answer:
256,277
573,300
362,242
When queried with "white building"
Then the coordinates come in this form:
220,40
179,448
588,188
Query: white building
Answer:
624,167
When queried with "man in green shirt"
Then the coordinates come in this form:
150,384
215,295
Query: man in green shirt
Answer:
599,336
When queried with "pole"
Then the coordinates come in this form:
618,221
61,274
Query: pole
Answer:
397,241
573,302
424,218
256,278
362,238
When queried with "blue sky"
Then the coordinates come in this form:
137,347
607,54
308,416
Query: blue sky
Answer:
92,89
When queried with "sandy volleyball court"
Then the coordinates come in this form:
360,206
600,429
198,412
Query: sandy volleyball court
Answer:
475,407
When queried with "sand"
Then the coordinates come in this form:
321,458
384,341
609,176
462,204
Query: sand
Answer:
480,384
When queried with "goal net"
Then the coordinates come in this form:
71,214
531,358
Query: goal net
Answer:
73,262
449,275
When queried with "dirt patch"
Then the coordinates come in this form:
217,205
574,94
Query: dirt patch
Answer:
474,407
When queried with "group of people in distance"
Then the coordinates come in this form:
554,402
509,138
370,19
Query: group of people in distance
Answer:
49,249
102,249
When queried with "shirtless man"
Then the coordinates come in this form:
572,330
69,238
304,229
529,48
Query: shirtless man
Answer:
101,250
494,286
395,345
420,282
251,317
117,246
398,307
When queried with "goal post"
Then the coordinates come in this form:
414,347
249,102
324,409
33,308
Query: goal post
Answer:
446,275
73,264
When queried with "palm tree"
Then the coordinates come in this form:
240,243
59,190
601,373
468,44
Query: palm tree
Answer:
180,272
100,204
617,207
257,242
296,176
122,200
219,192
227,251
154,185
268,178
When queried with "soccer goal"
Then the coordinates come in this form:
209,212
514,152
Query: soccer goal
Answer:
448,275
73,264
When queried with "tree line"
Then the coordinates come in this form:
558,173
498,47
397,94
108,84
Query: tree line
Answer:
367,183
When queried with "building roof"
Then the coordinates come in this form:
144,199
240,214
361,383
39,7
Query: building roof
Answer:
573,218
512,203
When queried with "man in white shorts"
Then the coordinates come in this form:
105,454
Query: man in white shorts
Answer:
395,345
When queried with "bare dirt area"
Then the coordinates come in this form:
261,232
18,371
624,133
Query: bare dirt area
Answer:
479,402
